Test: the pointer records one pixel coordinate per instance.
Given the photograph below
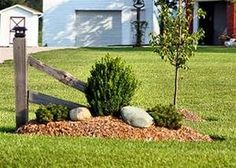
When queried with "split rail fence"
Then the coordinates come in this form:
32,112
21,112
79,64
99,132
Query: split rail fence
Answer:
25,96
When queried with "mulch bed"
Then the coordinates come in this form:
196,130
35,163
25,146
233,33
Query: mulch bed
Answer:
189,115
109,127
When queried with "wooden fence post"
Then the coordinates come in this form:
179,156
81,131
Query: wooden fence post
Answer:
20,64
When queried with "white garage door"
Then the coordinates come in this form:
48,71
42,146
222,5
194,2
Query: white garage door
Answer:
98,28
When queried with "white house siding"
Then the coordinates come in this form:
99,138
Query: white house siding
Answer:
60,16
31,23
97,27
156,28
0,27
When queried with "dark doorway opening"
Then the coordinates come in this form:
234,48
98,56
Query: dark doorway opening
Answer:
215,22
208,23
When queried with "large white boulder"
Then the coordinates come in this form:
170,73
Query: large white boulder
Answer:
136,117
80,114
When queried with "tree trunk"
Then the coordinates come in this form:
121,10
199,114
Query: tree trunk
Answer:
176,86
177,66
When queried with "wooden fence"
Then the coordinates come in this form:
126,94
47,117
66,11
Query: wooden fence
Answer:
25,96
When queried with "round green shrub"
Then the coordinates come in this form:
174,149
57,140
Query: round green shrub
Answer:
51,112
59,112
166,116
43,115
110,86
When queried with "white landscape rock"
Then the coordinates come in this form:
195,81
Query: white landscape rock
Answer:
230,43
136,117
80,114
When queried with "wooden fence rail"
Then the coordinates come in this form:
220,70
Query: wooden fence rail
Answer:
60,75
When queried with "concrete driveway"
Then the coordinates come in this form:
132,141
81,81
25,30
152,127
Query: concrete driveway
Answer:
6,53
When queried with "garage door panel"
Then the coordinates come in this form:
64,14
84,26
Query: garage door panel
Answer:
98,28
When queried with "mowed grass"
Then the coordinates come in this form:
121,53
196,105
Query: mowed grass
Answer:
208,88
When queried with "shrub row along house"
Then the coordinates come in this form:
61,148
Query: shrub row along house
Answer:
107,22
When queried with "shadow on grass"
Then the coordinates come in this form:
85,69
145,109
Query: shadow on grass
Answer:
218,137
7,63
215,49
201,49
130,49
211,119
118,49
7,130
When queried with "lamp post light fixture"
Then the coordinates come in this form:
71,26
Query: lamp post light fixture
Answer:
19,31
138,4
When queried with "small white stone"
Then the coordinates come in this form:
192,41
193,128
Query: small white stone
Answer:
80,114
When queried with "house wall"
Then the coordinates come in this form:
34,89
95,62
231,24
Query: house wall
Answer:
31,23
0,26
59,19
156,27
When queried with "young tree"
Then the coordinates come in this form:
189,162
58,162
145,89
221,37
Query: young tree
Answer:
172,4
176,44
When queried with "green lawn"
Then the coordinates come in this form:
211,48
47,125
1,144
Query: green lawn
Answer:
208,88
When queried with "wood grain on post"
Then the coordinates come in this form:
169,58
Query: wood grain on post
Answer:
20,64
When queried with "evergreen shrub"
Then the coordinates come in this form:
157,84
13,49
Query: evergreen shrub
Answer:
166,116
110,86
51,112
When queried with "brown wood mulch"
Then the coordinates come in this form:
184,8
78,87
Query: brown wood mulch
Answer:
109,127
189,115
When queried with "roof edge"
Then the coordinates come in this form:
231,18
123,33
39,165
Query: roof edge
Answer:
28,9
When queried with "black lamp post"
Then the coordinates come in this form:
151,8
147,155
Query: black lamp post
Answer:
138,4
19,31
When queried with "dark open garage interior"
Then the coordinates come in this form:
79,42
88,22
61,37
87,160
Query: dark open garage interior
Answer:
215,22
